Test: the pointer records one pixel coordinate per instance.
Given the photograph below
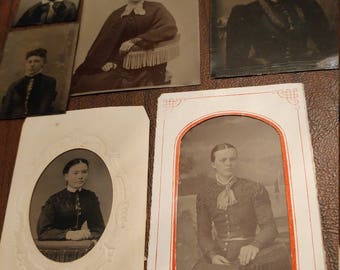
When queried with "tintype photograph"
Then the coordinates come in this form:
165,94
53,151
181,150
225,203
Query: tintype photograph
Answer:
232,209
271,36
71,205
42,12
36,70
78,193
133,44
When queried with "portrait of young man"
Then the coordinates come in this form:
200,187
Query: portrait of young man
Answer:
32,94
35,71
46,12
231,212
135,46
268,36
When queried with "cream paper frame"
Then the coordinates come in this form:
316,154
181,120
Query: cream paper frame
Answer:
283,105
118,136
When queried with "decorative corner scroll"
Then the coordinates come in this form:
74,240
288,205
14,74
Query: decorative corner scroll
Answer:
171,103
291,95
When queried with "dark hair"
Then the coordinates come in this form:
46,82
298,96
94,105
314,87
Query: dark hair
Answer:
219,147
37,52
74,162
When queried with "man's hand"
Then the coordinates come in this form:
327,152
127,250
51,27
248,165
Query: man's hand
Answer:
247,254
108,66
78,235
126,47
218,259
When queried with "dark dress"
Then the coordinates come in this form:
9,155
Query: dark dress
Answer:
265,34
64,11
157,25
236,226
40,100
60,214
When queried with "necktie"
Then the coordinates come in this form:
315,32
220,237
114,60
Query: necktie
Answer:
50,13
226,197
28,93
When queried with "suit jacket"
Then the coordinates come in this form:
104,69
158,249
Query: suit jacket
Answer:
40,101
59,215
65,11
258,36
253,208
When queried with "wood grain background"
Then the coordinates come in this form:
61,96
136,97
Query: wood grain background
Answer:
322,90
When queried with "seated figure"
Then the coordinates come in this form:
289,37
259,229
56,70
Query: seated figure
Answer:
131,50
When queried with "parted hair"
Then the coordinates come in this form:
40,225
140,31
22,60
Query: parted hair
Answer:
219,147
73,162
37,52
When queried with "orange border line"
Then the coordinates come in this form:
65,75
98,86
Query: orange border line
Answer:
286,167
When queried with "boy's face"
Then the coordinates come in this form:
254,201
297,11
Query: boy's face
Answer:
34,65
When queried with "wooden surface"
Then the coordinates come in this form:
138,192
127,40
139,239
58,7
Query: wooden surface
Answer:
321,87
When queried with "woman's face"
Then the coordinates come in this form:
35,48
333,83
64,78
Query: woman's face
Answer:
77,175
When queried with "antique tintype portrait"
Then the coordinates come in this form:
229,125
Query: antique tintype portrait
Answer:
250,37
40,12
231,208
70,205
233,183
78,193
137,44
35,71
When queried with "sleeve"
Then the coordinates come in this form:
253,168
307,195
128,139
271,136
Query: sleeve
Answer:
204,227
163,28
318,27
71,13
264,217
46,229
238,44
95,220
31,16
50,95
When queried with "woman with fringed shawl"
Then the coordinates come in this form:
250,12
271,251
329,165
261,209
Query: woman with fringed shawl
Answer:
127,51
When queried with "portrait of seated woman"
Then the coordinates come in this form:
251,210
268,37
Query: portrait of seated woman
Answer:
131,50
71,219
74,212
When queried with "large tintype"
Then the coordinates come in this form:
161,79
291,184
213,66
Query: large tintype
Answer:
231,197
133,44
271,36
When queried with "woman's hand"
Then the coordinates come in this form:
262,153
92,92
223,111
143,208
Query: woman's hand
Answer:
78,235
126,47
108,66
247,254
218,259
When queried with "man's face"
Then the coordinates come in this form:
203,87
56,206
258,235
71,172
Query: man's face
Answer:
34,64
225,162
77,176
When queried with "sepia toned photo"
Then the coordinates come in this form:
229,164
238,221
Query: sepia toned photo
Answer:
40,12
71,205
35,71
132,44
271,36
232,209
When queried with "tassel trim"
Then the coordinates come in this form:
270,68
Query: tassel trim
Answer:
165,52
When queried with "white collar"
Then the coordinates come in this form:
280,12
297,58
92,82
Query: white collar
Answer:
220,181
47,1
73,190
138,9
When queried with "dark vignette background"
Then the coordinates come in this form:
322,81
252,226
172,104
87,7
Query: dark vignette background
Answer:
52,181
322,94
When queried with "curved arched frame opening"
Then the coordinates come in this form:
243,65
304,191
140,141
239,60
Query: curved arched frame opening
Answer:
286,177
